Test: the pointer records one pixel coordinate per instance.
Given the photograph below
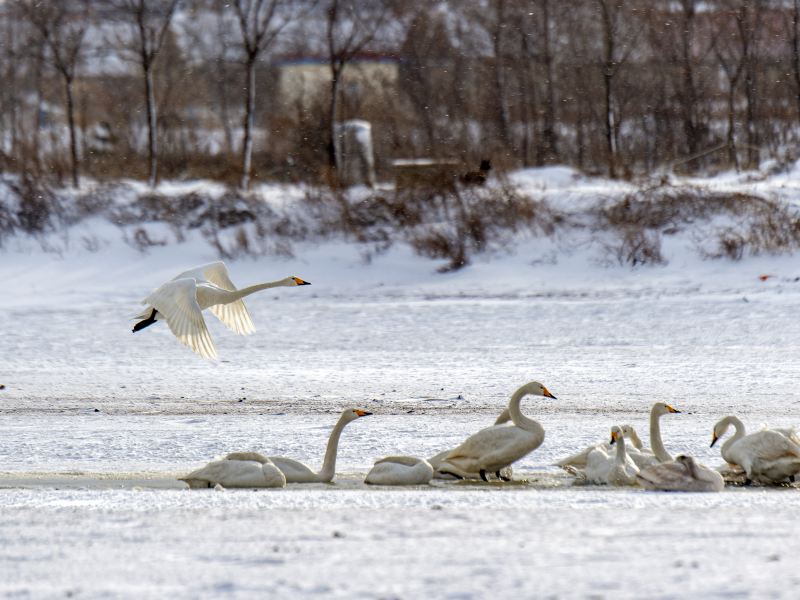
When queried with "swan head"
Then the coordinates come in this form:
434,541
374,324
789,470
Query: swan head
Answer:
536,389
295,281
616,434
629,432
720,429
662,408
351,414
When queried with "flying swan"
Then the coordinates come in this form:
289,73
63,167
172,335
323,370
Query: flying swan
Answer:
181,303
297,472
237,470
682,475
400,470
767,456
496,447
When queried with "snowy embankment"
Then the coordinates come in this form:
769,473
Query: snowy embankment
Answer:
89,407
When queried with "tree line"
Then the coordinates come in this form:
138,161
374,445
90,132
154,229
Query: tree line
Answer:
193,88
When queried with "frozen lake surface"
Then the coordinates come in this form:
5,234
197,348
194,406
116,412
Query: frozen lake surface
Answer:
95,423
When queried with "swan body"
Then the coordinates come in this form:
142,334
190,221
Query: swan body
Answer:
767,456
400,470
181,302
237,470
497,447
612,469
297,472
682,475
506,473
578,461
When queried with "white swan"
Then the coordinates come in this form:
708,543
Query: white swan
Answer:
297,472
496,447
611,469
659,409
682,475
578,460
767,456
237,470
400,470
181,303
506,473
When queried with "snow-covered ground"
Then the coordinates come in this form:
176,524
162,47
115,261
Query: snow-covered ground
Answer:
96,422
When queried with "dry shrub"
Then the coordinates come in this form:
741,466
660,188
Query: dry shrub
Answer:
639,219
450,222
28,206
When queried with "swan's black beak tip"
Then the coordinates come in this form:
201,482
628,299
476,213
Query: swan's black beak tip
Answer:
299,281
363,413
713,441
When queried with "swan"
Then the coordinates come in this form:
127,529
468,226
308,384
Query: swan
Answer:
659,409
181,303
237,470
506,473
611,469
767,456
578,461
496,447
297,472
682,475
400,470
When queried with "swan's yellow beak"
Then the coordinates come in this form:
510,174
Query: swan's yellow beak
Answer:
714,439
614,437
546,393
672,410
299,281
362,413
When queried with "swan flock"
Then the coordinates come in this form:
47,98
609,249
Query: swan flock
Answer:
767,457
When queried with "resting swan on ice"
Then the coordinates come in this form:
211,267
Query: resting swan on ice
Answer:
767,456
684,474
237,470
578,461
400,470
297,472
611,469
181,303
496,447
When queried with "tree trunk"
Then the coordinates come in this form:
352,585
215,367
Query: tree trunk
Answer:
732,156
689,95
249,120
336,73
73,142
549,132
503,119
796,53
608,76
150,103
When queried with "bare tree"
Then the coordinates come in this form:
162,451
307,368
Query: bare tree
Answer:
62,28
149,22
260,25
350,28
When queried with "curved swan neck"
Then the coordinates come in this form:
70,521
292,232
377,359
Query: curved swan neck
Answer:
517,417
328,469
622,454
739,434
655,437
252,289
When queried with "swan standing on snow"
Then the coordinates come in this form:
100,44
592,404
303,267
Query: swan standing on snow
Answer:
767,456
237,470
400,470
682,475
496,447
616,469
506,473
297,472
181,303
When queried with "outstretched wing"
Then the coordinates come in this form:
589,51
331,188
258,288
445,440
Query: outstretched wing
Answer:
235,315
176,301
